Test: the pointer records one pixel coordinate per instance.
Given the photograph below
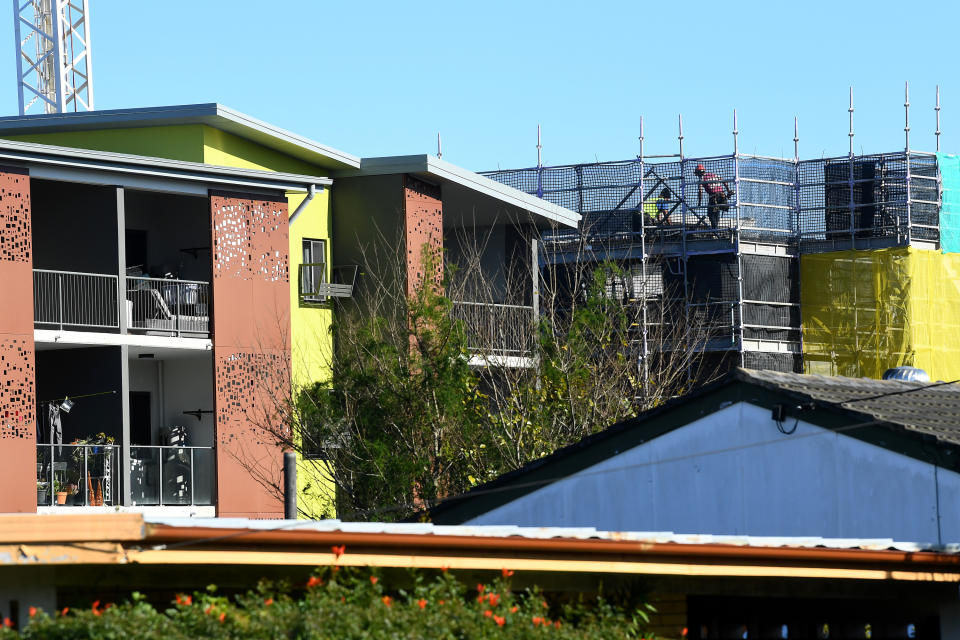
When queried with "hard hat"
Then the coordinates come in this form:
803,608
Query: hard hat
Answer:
700,168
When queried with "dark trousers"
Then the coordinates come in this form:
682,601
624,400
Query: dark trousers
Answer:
717,204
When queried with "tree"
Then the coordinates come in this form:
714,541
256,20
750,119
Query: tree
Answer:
426,401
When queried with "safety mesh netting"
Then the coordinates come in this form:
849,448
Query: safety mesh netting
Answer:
845,202
696,197
950,209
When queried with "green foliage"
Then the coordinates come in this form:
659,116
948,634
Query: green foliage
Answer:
399,408
348,604
405,421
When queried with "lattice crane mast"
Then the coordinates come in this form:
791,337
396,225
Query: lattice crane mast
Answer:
54,66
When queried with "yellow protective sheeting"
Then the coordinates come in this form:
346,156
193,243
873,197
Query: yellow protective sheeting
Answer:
866,311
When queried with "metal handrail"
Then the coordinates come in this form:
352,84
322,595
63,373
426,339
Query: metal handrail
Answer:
97,490
75,299
168,304
161,485
489,331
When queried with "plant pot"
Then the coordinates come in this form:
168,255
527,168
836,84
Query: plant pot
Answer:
61,497
41,496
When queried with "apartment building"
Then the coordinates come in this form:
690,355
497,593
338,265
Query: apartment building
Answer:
161,344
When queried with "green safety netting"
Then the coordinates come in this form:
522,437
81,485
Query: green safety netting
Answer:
949,164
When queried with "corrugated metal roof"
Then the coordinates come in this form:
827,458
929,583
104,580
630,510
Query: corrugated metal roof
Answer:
546,533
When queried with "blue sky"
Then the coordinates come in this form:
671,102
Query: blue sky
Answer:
382,78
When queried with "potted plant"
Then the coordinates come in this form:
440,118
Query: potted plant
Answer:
42,492
60,492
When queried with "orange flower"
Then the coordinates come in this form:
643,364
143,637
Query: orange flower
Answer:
423,603
387,600
338,551
374,579
544,603
537,621
268,602
442,602
480,588
65,611
208,609
7,622
96,607
684,632
335,569
507,573
32,611
488,613
444,569
494,599
557,624
513,609
223,616
314,581
184,600
499,620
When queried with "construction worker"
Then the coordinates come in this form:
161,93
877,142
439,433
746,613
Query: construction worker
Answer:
718,193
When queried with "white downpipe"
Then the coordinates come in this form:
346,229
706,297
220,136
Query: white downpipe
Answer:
311,193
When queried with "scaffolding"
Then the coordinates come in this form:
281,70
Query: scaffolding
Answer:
724,234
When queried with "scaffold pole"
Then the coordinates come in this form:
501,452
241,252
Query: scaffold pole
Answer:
439,146
539,165
850,110
796,141
937,110
680,137
906,116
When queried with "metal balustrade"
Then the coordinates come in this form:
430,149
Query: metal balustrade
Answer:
171,475
167,305
88,475
504,329
65,299
84,475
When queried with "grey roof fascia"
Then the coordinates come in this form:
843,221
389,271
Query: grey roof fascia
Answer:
34,153
438,169
211,114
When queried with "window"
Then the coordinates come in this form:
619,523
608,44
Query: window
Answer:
312,270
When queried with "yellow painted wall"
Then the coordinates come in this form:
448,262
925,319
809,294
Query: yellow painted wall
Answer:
864,312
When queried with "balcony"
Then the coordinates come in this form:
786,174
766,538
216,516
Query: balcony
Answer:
495,329
88,475
68,300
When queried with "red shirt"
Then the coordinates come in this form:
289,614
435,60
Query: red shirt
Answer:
712,184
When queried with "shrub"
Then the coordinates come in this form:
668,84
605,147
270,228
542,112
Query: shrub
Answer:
346,604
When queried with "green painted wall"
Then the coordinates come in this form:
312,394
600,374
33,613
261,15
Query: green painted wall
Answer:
311,340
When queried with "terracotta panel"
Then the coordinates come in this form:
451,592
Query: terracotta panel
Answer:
251,327
423,225
17,359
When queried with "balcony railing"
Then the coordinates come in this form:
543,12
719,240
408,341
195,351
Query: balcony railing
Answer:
169,306
88,475
496,329
171,475
65,299
72,300
80,475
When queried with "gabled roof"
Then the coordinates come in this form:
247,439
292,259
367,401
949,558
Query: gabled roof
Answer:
906,417
433,169
211,114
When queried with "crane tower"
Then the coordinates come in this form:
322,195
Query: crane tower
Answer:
54,67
